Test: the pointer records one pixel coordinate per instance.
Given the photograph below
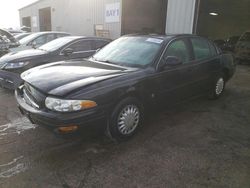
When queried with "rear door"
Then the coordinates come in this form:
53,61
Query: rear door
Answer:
206,62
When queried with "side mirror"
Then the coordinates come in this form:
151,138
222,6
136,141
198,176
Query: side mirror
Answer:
68,51
33,45
173,61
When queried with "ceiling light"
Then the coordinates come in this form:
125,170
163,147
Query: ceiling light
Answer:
213,14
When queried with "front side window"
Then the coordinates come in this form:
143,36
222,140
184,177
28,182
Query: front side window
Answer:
178,49
201,48
100,44
80,46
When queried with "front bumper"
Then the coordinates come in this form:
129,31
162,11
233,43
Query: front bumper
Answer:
55,120
9,80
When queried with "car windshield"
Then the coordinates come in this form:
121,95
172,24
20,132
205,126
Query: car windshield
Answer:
130,51
56,44
245,37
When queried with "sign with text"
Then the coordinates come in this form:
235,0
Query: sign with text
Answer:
112,13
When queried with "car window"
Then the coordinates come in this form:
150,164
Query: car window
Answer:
50,37
201,48
39,40
100,44
212,49
245,37
83,45
178,49
58,35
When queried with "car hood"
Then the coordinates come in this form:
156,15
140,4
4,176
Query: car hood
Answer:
13,56
62,78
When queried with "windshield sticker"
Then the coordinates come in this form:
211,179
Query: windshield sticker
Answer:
154,40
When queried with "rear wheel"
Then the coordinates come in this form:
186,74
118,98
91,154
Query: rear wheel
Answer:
218,88
125,119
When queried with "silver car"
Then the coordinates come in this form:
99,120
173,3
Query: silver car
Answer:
36,40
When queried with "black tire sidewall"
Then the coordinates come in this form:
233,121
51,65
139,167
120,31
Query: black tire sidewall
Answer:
112,124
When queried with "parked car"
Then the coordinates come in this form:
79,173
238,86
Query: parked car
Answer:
72,47
242,51
3,46
36,40
9,38
121,80
21,36
6,40
230,43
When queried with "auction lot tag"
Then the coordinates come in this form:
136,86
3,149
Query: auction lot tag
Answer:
154,40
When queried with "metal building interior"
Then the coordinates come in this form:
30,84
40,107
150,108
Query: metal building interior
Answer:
230,18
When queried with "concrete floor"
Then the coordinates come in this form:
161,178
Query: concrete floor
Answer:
200,143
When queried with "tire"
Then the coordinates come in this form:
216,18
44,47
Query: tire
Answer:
125,119
218,87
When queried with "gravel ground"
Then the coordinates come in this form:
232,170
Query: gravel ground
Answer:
200,143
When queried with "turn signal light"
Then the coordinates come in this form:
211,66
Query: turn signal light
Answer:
88,104
68,129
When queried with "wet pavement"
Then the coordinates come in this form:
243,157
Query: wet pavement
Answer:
200,143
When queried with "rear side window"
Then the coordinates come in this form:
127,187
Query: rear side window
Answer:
201,48
100,44
178,49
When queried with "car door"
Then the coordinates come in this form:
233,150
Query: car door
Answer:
206,63
172,83
81,49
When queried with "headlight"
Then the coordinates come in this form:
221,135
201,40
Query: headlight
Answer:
60,105
15,65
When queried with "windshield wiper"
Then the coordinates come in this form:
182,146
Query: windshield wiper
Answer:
42,49
104,61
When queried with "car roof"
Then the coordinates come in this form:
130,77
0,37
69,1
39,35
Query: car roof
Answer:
86,37
163,37
49,32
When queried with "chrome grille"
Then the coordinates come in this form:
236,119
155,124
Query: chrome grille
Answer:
32,96
29,100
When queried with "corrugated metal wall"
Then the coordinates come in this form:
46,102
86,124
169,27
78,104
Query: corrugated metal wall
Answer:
180,16
75,16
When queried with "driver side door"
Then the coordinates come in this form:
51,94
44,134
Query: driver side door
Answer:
173,82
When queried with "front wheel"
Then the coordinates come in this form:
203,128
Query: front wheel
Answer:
218,87
125,119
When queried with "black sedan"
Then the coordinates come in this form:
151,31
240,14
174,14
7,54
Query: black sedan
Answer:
72,47
121,80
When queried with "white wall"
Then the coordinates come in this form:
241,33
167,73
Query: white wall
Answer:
180,16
